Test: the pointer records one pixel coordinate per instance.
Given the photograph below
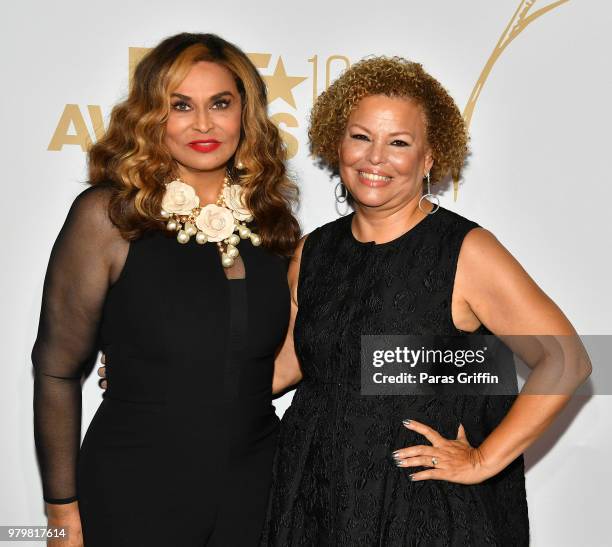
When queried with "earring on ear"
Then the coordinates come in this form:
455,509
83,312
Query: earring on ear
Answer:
429,195
239,169
341,194
238,165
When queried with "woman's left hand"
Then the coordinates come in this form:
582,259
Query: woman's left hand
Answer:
450,460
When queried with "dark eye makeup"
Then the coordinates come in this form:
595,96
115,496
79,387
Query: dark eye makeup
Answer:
221,104
180,105
362,137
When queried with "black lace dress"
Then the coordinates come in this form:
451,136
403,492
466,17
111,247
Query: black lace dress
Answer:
335,482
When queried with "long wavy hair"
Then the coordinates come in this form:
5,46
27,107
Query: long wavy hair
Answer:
132,157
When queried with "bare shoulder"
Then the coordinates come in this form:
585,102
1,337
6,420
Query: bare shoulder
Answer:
481,244
294,267
297,255
500,292
484,262
483,259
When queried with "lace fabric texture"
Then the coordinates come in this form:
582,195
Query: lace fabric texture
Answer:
335,482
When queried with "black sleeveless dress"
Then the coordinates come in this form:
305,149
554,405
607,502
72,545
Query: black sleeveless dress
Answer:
180,451
335,482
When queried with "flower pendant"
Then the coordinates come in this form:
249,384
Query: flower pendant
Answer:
215,223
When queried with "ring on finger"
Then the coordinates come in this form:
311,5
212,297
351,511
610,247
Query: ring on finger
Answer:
434,461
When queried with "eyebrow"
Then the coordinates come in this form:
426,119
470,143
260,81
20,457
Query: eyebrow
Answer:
395,134
213,98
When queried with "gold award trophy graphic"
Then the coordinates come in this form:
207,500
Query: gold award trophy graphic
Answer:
281,85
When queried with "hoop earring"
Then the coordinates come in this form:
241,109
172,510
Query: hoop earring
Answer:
429,194
340,192
341,195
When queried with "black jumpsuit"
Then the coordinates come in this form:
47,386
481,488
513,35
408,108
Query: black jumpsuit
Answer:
179,452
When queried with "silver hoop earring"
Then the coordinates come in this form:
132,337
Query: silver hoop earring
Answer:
340,192
436,204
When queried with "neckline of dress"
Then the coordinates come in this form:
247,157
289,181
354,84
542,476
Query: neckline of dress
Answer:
398,239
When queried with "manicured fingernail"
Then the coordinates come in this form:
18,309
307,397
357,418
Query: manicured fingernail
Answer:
406,422
396,454
411,477
398,463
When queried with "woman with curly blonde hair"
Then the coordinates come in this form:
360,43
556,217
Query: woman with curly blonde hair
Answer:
420,468
174,263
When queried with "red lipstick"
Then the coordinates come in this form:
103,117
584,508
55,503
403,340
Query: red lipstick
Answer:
205,146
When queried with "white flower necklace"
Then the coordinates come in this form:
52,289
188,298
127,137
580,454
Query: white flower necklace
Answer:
214,223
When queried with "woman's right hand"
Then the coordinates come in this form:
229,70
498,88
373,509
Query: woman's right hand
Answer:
65,516
103,382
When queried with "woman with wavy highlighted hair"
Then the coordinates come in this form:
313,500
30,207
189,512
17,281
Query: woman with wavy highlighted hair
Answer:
174,264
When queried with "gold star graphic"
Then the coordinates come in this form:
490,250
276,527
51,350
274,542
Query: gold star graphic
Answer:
280,85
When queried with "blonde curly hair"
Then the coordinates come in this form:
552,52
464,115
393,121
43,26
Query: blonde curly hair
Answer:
395,77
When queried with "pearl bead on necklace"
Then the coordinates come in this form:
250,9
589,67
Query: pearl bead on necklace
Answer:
215,223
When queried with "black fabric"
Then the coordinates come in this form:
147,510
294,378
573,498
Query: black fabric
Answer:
335,482
86,257
184,439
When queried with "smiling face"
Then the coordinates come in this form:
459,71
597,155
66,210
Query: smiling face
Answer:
383,154
203,126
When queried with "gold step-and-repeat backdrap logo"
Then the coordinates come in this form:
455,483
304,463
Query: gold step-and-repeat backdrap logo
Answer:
72,130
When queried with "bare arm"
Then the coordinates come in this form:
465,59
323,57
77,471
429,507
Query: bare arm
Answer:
505,299
492,288
287,371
